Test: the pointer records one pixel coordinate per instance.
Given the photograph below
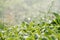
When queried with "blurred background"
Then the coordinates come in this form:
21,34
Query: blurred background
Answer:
13,12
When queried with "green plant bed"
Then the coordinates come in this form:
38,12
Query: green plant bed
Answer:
32,31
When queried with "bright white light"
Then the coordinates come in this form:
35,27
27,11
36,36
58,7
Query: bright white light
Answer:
3,31
50,21
29,19
25,36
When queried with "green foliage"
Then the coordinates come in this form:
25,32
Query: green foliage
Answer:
1,25
57,20
32,31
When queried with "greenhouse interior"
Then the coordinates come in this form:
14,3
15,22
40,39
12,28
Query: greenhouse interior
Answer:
29,19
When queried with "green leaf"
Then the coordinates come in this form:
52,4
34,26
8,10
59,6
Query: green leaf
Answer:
57,19
1,25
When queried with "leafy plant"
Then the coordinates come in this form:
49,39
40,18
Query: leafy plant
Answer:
57,19
1,25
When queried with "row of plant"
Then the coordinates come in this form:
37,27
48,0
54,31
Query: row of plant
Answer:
32,31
